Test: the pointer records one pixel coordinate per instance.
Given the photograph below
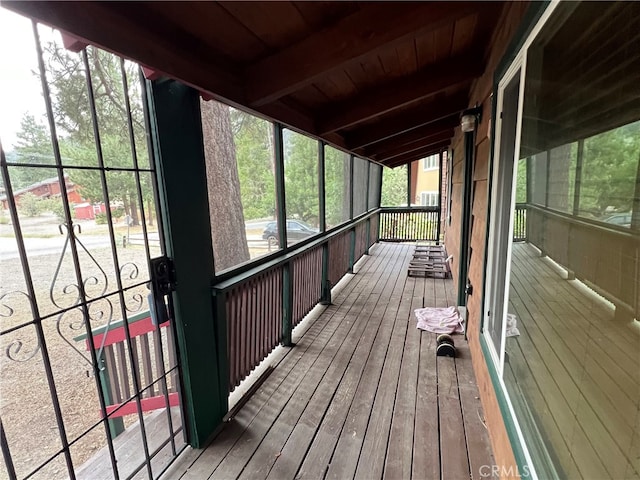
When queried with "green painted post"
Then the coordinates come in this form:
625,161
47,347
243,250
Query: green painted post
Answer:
366,250
325,298
379,203
201,337
578,180
322,221
367,207
352,249
278,143
350,187
408,184
438,227
287,304
467,199
116,424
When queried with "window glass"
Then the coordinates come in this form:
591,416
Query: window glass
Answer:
572,394
360,182
394,186
429,199
562,175
337,194
609,170
301,185
241,182
431,162
375,171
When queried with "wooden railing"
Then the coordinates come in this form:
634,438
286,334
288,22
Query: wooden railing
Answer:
409,224
254,318
605,258
153,351
307,282
520,223
259,306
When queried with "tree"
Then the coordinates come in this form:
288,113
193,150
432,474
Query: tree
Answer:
253,138
66,74
301,177
609,170
33,147
30,204
394,186
337,195
225,206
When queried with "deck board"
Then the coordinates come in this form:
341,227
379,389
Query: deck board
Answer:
357,396
583,394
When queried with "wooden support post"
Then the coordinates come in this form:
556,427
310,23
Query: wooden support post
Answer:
201,335
368,232
350,187
321,188
287,304
325,298
278,144
352,249
438,231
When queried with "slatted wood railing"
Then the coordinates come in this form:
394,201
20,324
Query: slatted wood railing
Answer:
254,321
307,283
153,350
605,258
258,306
409,224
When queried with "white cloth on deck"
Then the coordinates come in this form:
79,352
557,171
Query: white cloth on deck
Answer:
439,319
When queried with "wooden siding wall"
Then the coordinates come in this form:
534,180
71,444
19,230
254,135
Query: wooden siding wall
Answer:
481,94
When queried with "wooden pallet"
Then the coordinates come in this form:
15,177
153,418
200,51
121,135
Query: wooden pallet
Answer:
429,261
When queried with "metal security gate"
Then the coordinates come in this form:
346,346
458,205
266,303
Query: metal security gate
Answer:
89,375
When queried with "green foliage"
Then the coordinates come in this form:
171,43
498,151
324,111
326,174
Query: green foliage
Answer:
301,177
394,187
101,218
336,186
521,181
253,139
33,147
609,170
66,75
30,205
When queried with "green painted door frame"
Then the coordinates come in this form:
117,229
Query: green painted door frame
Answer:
465,227
180,164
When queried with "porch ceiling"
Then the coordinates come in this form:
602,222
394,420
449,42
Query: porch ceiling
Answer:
385,80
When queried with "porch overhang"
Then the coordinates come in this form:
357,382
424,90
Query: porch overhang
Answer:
384,80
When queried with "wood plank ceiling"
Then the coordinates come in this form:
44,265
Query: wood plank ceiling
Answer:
384,80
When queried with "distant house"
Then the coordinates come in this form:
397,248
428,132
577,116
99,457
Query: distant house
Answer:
425,176
48,188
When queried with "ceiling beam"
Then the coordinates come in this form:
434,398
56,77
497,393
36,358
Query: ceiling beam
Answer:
420,133
126,29
399,93
374,27
416,155
390,126
416,144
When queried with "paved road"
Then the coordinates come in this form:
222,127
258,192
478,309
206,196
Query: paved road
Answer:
47,246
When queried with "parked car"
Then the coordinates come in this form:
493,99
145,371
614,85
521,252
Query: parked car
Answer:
296,230
620,219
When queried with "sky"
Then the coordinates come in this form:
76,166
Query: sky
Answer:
20,90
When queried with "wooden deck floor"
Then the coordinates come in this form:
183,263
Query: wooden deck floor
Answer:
575,371
361,395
